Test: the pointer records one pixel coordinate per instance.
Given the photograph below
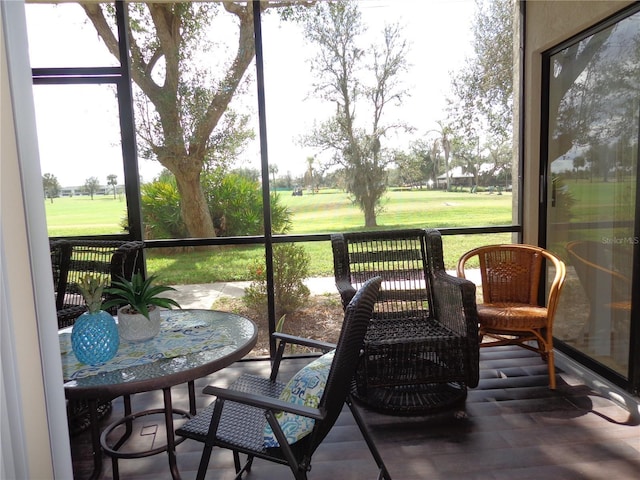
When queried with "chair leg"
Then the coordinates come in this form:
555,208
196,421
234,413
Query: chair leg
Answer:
552,370
547,353
384,474
299,474
241,469
204,462
236,462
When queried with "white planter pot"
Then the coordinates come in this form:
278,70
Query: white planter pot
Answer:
136,327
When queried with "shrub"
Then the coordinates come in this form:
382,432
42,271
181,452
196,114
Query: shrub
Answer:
235,204
161,209
290,268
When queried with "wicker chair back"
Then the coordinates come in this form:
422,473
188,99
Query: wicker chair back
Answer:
421,347
72,259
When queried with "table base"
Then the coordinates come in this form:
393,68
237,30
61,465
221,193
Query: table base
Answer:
113,451
99,441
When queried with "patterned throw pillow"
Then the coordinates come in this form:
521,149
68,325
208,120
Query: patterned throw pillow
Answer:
305,388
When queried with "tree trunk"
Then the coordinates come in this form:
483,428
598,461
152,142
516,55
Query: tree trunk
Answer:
194,208
370,220
370,214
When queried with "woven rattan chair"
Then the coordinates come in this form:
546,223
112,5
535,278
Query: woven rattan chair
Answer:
421,347
71,259
237,419
511,313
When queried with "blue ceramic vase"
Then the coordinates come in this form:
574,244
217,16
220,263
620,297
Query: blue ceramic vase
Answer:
94,338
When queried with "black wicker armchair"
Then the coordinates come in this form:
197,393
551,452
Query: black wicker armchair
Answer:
72,259
421,347
238,417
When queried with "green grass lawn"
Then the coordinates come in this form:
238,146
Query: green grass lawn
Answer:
80,215
333,211
325,212
600,201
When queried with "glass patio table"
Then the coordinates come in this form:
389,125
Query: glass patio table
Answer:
191,344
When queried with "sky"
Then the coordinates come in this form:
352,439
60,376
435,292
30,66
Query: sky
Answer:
78,140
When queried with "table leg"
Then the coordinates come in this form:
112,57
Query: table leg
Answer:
95,439
171,439
115,469
192,397
128,425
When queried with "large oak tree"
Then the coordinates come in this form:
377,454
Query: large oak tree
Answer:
184,120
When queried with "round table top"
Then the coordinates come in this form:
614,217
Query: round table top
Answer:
239,333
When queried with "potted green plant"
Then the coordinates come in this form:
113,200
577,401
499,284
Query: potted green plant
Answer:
94,337
139,301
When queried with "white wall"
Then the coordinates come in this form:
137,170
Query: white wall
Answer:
34,435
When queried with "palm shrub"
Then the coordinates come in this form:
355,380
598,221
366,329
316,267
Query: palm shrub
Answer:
290,268
564,200
161,209
235,204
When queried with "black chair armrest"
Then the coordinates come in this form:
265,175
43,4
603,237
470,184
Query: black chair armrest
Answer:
291,339
67,316
341,269
263,401
454,303
346,291
125,260
307,342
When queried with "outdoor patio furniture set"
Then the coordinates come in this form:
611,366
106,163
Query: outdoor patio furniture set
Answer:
409,343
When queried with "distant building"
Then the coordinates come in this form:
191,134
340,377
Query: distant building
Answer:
457,177
80,190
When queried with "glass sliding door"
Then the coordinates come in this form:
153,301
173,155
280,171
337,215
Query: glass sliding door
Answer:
591,178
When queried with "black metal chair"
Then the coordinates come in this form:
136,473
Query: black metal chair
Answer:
421,347
238,417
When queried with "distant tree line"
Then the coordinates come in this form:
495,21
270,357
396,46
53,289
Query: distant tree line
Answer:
52,189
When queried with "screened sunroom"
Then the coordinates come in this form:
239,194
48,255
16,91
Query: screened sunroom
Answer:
212,132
